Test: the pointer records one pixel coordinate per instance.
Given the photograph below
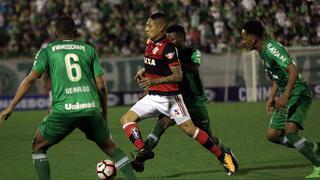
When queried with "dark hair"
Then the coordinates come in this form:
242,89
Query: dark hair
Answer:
177,29
158,15
254,27
65,25
160,18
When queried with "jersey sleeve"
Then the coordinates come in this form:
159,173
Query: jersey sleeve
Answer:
41,61
97,70
196,57
170,52
280,55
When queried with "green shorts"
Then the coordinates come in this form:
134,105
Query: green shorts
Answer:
296,112
200,116
56,127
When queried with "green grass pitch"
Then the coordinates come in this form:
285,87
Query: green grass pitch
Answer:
242,126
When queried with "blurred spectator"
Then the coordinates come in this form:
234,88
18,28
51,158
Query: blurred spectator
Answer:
116,27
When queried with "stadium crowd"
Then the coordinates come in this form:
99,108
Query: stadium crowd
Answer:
116,27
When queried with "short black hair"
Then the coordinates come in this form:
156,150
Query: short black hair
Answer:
254,27
161,17
65,25
158,15
177,29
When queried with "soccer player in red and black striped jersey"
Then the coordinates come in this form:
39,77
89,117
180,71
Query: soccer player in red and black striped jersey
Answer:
192,90
162,75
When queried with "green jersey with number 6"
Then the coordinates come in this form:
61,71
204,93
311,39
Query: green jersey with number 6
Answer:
72,66
275,61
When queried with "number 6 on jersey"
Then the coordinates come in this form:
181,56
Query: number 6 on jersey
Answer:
76,76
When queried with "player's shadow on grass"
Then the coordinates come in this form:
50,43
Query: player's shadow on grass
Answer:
242,171
183,174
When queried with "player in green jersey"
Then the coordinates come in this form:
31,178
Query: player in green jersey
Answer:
191,88
290,109
79,98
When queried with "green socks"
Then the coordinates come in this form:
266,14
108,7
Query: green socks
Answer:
304,147
156,133
41,165
122,163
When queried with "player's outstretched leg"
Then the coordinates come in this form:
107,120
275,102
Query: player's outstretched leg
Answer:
227,159
41,164
132,131
304,147
205,126
159,128
122,163
201,119
39,157
120,158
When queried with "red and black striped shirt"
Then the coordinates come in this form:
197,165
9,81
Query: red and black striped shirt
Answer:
158,57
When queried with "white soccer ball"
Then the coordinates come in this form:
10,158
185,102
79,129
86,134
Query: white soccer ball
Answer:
106,169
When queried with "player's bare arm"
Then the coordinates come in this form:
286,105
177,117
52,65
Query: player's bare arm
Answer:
175,77
24,87
271,101
103,95
293,76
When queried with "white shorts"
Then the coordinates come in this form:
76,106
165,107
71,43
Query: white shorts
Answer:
154,105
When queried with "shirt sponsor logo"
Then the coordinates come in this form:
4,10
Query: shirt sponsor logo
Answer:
149,61
78,106
68,47
275,52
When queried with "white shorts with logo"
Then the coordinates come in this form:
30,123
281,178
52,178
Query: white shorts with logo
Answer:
153,105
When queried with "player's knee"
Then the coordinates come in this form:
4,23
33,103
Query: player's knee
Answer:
125,119
37,146
188,128
270,137
39,143
273,137
129,117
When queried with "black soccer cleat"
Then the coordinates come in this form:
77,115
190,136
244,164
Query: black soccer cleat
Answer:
144,154
138,166
138,162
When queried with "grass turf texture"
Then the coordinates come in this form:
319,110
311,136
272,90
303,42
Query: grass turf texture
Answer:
242,126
